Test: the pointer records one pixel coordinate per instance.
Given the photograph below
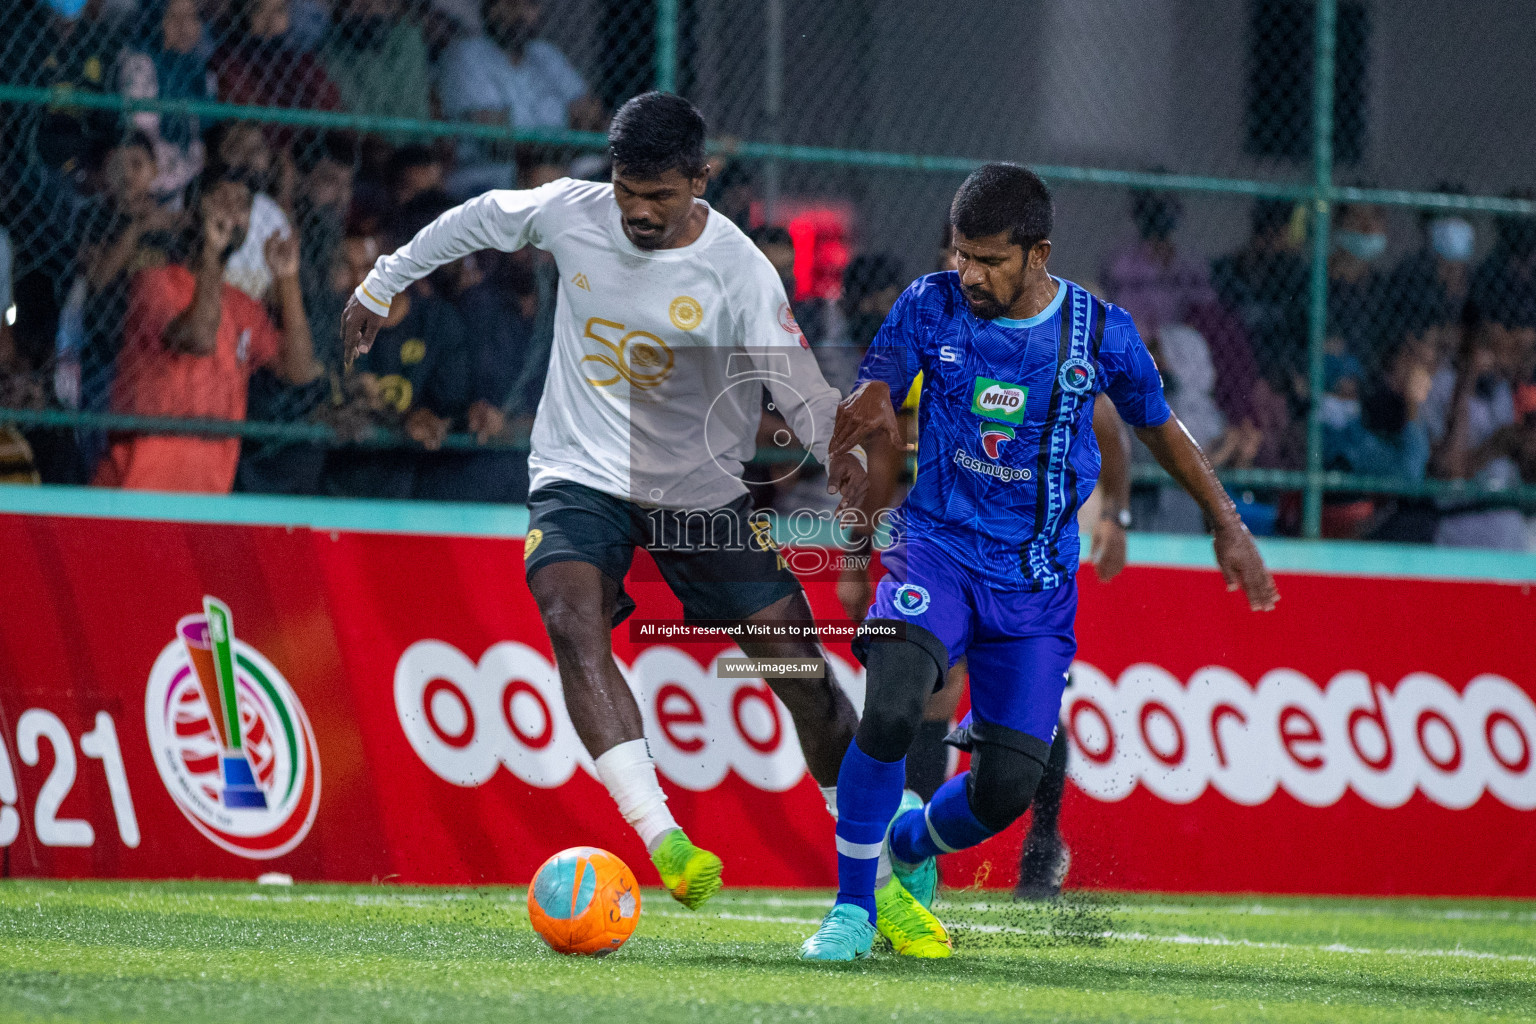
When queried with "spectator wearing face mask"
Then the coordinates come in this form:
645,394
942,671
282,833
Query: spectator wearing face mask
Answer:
1430,287
1359,299
378,60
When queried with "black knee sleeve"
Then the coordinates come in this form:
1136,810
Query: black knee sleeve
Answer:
1002,783
901,676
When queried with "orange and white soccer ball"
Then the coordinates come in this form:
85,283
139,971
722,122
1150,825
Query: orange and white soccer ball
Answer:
584,901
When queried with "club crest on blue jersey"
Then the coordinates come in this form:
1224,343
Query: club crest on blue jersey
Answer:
993,437
1076,376
910,599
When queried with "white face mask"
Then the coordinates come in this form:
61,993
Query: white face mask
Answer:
1452,239
1339,413
1361,245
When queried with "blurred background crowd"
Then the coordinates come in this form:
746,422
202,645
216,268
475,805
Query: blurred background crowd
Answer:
115,223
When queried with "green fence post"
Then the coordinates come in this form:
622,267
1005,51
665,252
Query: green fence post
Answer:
666,45
1325,37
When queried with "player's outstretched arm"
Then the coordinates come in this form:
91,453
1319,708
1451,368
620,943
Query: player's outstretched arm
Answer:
1236,554
501,219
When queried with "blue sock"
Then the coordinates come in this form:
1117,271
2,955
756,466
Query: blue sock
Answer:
868,793
949,812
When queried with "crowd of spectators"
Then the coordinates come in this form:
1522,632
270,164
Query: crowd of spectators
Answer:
197,269
151,227
1428,364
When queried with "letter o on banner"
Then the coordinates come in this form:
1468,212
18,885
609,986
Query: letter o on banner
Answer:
1107,754
1428,717
1176,756
520,688
458,738
1499,740
764,696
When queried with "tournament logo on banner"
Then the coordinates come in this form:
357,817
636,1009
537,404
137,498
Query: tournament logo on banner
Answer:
232,743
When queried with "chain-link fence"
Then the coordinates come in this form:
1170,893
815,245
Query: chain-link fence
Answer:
1313,209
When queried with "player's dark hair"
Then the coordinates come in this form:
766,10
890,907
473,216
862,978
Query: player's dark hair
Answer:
656,132
1003,197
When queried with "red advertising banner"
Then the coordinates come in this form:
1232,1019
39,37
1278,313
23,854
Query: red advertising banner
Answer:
208,700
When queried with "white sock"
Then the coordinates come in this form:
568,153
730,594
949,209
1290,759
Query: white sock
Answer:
630,775
829,794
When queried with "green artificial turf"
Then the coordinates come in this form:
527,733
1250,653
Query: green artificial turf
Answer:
188,953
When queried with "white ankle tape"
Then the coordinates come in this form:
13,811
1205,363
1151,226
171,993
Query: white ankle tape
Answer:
630,777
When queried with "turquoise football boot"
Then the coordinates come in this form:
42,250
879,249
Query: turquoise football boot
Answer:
845,934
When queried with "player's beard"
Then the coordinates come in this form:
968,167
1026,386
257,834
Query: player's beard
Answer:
984,305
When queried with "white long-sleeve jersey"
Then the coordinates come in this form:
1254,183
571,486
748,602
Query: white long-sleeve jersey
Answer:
660,357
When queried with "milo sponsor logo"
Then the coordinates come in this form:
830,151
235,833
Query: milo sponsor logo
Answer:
999,400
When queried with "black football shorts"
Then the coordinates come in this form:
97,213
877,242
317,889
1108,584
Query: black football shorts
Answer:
721,563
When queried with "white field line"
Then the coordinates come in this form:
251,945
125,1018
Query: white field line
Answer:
1244,909
982,906
423,899
1178,940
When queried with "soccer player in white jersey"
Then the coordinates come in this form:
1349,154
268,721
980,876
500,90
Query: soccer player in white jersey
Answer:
668,324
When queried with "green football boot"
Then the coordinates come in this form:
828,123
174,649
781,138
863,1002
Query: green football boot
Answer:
690,874
911,927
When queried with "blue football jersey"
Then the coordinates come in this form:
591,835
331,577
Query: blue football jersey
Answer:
1006,451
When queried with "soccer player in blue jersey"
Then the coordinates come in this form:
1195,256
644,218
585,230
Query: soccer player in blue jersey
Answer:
985,547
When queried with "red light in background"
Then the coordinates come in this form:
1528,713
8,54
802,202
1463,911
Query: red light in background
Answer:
820,236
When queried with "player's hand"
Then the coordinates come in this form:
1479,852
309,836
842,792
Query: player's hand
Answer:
426,428
359,327
847,478
1108,551
862,416
1241,566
